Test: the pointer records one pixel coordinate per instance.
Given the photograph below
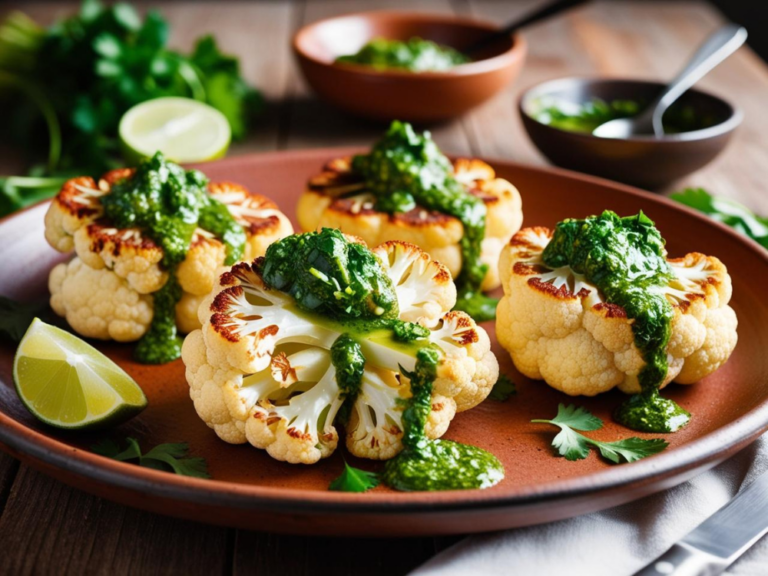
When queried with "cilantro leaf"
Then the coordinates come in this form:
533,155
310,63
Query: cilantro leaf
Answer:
224,87
165,457
630,449
727,211
577,418
503,389
15,317
354,480
174,455
575,446
571,445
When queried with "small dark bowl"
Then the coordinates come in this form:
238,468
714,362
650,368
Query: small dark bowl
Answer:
643,161
395,94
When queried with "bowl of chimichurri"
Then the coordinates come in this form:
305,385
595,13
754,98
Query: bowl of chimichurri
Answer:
560,116
407,66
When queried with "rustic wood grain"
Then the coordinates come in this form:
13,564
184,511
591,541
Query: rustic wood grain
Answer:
9,467
49,528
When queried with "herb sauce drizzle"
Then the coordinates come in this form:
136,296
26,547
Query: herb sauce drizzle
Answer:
625,259
426,464
405,169
350,292
168,204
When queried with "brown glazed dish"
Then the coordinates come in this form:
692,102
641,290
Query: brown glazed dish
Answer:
249,489
643,161
401,95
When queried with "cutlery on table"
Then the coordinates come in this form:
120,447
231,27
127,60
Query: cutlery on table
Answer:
721,44
718,541
545,12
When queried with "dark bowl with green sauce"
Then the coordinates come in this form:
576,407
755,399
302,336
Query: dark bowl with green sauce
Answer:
559,116
386,94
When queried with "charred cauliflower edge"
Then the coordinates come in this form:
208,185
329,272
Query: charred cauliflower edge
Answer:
336,198
557,328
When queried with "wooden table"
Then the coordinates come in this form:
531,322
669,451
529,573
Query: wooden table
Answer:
46,527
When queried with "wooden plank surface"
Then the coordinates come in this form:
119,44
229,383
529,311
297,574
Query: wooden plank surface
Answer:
49,528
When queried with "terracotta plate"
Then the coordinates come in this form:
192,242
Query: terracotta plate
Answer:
253,491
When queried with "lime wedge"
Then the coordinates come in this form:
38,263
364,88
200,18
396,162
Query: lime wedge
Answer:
69,384
184,130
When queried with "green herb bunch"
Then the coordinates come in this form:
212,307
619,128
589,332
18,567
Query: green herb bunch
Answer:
83,73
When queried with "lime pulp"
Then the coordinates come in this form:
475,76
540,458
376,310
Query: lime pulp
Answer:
67,383
184,130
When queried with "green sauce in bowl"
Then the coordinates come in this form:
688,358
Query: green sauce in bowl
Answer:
414,55
589,115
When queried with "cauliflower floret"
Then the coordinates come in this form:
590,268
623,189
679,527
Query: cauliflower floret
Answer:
127,253
74,206
337,198
98,303
557,328
197,273
260,371
260,217
74,221
423,286
186,312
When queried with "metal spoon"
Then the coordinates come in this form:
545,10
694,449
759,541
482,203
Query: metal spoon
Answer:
543,13
717,48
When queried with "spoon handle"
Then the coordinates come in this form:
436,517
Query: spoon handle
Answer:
721,44
540,14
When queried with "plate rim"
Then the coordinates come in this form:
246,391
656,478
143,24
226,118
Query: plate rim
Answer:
704,450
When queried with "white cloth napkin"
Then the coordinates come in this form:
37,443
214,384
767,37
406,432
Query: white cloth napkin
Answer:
615,542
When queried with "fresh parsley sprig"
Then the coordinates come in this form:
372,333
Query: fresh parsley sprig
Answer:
80,75
165,457
503,389
354,480
574,446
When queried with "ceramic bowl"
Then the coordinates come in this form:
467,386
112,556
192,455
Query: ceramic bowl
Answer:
644,161
395,94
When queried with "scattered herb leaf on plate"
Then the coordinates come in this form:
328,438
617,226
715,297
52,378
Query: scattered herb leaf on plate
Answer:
575,446
15,317
503,389
166,457
727,211
354,480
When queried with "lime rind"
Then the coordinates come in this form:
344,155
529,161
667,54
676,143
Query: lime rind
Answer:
67,383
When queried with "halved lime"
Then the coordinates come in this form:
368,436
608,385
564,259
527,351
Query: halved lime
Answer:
184,130
69,384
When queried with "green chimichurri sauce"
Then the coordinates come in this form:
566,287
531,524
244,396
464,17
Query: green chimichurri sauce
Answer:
423,464
415,55
348,360
624,258
168,204
589,115
405,169
426,464
327,274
